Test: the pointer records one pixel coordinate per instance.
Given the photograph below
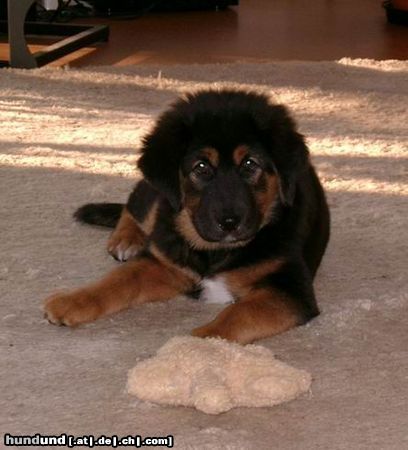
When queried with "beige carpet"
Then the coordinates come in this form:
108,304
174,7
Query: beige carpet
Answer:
69,137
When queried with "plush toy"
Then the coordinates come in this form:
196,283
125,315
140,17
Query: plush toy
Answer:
215,375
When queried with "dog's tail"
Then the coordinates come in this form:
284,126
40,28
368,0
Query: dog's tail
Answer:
103,214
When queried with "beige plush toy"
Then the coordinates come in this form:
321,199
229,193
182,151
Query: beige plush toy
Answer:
214,375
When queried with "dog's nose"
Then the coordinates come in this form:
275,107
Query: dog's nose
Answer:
229,223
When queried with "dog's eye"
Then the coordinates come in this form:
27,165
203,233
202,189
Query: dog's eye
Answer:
203,170
249,167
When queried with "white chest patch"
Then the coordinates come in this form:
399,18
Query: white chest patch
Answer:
215,290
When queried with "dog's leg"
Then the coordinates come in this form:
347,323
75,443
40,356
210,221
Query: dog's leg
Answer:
127,239
262,314
273,297
133,283
136,222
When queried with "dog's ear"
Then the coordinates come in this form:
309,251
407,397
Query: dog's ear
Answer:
162,152
286,147
290,163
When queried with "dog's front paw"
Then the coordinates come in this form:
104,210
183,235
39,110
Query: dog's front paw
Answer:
71,309
123,247
212,331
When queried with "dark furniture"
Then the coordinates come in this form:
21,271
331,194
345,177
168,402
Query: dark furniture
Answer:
74,37
138,7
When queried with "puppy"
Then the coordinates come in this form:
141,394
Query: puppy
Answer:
229,209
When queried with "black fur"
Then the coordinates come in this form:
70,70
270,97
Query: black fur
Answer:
222,121
141,200
298,228
103,214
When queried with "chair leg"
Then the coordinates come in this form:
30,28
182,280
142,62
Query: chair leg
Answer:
20,55
74,37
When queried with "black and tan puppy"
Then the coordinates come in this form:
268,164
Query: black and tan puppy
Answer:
230,208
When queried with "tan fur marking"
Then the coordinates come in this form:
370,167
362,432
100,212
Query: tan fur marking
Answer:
264,313
133,283
127,234
212,155
148,223
239,154
194,276
240,281
186,228
265,200
191,200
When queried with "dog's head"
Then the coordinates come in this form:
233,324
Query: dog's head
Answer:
224,160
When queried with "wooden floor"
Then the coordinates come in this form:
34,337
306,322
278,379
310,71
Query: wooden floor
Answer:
256,31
